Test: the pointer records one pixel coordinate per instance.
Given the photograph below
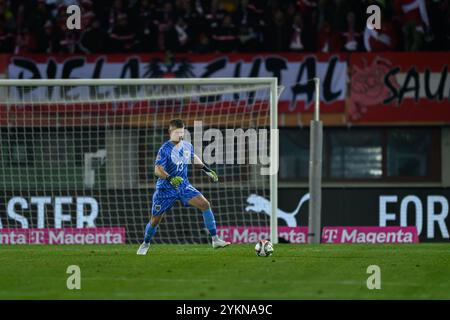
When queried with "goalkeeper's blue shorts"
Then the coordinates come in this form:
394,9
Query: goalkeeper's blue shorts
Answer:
164,199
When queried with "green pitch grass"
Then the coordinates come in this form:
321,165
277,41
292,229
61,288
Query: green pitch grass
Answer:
199,272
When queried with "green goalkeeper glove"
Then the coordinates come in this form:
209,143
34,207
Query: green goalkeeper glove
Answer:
211,173
175,181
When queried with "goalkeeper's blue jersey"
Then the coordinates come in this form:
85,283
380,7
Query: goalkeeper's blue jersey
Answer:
175,160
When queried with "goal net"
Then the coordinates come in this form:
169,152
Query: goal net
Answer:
80,154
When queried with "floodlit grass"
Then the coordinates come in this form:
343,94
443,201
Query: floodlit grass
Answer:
199,272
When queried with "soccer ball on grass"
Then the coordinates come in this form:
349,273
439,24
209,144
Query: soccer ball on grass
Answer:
264,248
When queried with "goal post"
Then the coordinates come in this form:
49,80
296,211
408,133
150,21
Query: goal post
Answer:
274,146
68,140
315,171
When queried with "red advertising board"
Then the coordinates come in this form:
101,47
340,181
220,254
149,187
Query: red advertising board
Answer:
362,88
293,71
399,88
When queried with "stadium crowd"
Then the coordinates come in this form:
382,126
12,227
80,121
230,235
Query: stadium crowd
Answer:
209,26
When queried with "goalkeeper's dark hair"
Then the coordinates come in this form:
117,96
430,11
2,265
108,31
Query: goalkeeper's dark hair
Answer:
176,123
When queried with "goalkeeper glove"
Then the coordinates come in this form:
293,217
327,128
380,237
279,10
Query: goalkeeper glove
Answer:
211,173
175,181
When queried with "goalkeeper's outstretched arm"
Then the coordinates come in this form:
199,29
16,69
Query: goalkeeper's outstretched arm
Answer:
211,173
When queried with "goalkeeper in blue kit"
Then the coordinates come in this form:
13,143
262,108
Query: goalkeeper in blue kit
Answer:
171,169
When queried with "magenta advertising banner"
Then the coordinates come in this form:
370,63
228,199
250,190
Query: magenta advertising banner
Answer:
332,235
115,235
236,234
370,235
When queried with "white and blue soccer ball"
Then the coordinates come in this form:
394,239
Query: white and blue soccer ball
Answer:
264,248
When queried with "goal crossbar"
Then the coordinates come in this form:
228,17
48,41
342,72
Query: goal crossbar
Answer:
109,82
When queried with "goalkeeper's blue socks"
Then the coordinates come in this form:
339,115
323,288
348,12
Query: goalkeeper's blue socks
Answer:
210,223
149,232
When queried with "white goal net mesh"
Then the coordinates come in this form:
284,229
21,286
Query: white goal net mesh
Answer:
82,156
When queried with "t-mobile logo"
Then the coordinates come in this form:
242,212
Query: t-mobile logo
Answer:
37,237
329,235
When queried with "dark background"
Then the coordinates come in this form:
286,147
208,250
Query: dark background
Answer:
340,207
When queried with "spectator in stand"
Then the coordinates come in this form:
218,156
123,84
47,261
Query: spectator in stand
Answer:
122,37
296,43
39,17
6,39
25,42
254,14
351,37
203,44
93,39
277,33
7,26
191,16
20,17
215,15
329,41
69,42
334,12
413,15
249,39
61,17
183,35
117,9
166,15
439,14
167,35
250,19
243,15
225,36
48,41
309,15
204,25
144,23
87,14
7,16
